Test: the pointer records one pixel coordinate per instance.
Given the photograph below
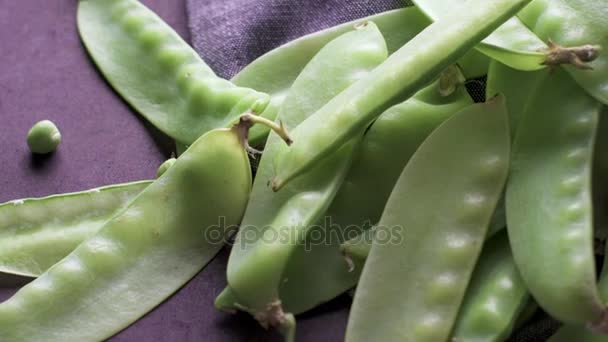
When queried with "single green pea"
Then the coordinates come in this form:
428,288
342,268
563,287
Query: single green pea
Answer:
280,221
43,137
432,230
405,72
548,200
165,166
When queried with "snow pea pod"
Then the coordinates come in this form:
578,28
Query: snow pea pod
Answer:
158,73
35,233
275,71
575,23
274,223
317,272
144,253
398,133
495,297
440,209
548,200
399,77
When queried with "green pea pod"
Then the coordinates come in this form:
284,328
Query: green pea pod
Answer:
274,224
516,85
495,298
414,65
512,43
317,272
143,254
397,133
435,222
158,73
35,233
548,200
275,71
575,23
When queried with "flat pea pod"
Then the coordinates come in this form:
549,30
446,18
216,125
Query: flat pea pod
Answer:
495,298
275,71
158,73
274,224
43,137
411,289
548,200
143,254
317,272
36,233
575,23
512,43
414,65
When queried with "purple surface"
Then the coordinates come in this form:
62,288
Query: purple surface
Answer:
46,74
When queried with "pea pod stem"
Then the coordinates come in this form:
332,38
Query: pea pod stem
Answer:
579,56
278,128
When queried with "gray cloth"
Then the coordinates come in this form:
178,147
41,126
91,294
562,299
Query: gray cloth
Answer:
229,34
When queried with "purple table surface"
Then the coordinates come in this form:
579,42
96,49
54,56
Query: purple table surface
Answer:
45,73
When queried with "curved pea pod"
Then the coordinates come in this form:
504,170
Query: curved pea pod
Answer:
397,133
143,254
158,73
35,233
275,224
317,272
437,218
495,298
275,71
406,71
512,43
548,200
575,23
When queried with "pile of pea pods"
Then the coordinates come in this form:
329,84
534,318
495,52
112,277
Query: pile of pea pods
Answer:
376,171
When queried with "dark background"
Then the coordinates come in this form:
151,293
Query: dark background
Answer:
46,74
